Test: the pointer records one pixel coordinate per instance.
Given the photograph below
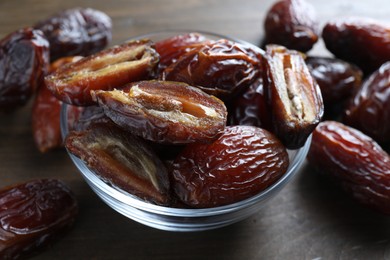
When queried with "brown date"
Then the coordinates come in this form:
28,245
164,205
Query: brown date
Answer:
369,109
293,96
222,68
24,59
354,161
164,111
122,160
242,162
362,41
34,214
108,69
77,31
293,24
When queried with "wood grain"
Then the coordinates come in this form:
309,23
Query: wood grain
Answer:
309,219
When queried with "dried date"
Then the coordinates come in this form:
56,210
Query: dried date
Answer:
355,161
122,160
34,214
108,69
77,31
369,109
293,96
24,59
293,24
362,41
242,162
164,111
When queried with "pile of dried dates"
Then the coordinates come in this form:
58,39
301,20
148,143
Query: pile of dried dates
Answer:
194,122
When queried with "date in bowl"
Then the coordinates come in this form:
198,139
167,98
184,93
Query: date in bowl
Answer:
177,218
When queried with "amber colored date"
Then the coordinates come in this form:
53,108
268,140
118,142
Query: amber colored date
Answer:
293,95
164,111
242,162
293,24
369,109
24,59
362,41
354,161
108,69
77,31
222,68
34,214
122,160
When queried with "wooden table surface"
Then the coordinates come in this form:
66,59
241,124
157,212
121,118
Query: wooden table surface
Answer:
308,219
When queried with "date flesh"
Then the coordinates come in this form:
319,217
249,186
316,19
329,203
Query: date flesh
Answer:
164,111
369,109
77,31
293,95
105,70
242,162
293,24
33,214
222,68
24,58
354,161
362,41
122,160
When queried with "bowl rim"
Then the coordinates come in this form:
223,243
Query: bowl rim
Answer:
135,202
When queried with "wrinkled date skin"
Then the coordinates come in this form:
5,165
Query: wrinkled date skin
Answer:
24,59
293,24
369,109
33,214
243,161
77,31
362,41
46,113
164,111
353,160
293,95
222,68
105,70
121,159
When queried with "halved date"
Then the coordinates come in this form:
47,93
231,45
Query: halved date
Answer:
164,111
242,162
121,159
293,95
108,69
354,161
33,214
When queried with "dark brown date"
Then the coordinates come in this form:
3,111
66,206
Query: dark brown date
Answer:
77,31
24,59
362,41
164,111
369,109
34,214
354,161
223,68
122,160
242,162
294,96
108,69
293,24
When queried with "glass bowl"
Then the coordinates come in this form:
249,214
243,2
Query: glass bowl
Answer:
182,219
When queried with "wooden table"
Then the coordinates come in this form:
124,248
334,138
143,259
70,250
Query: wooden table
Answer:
309,219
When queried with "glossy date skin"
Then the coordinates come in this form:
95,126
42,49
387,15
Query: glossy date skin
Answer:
33,214
362,41
243,161
24,60
293,24
77,31
355,162
369,109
